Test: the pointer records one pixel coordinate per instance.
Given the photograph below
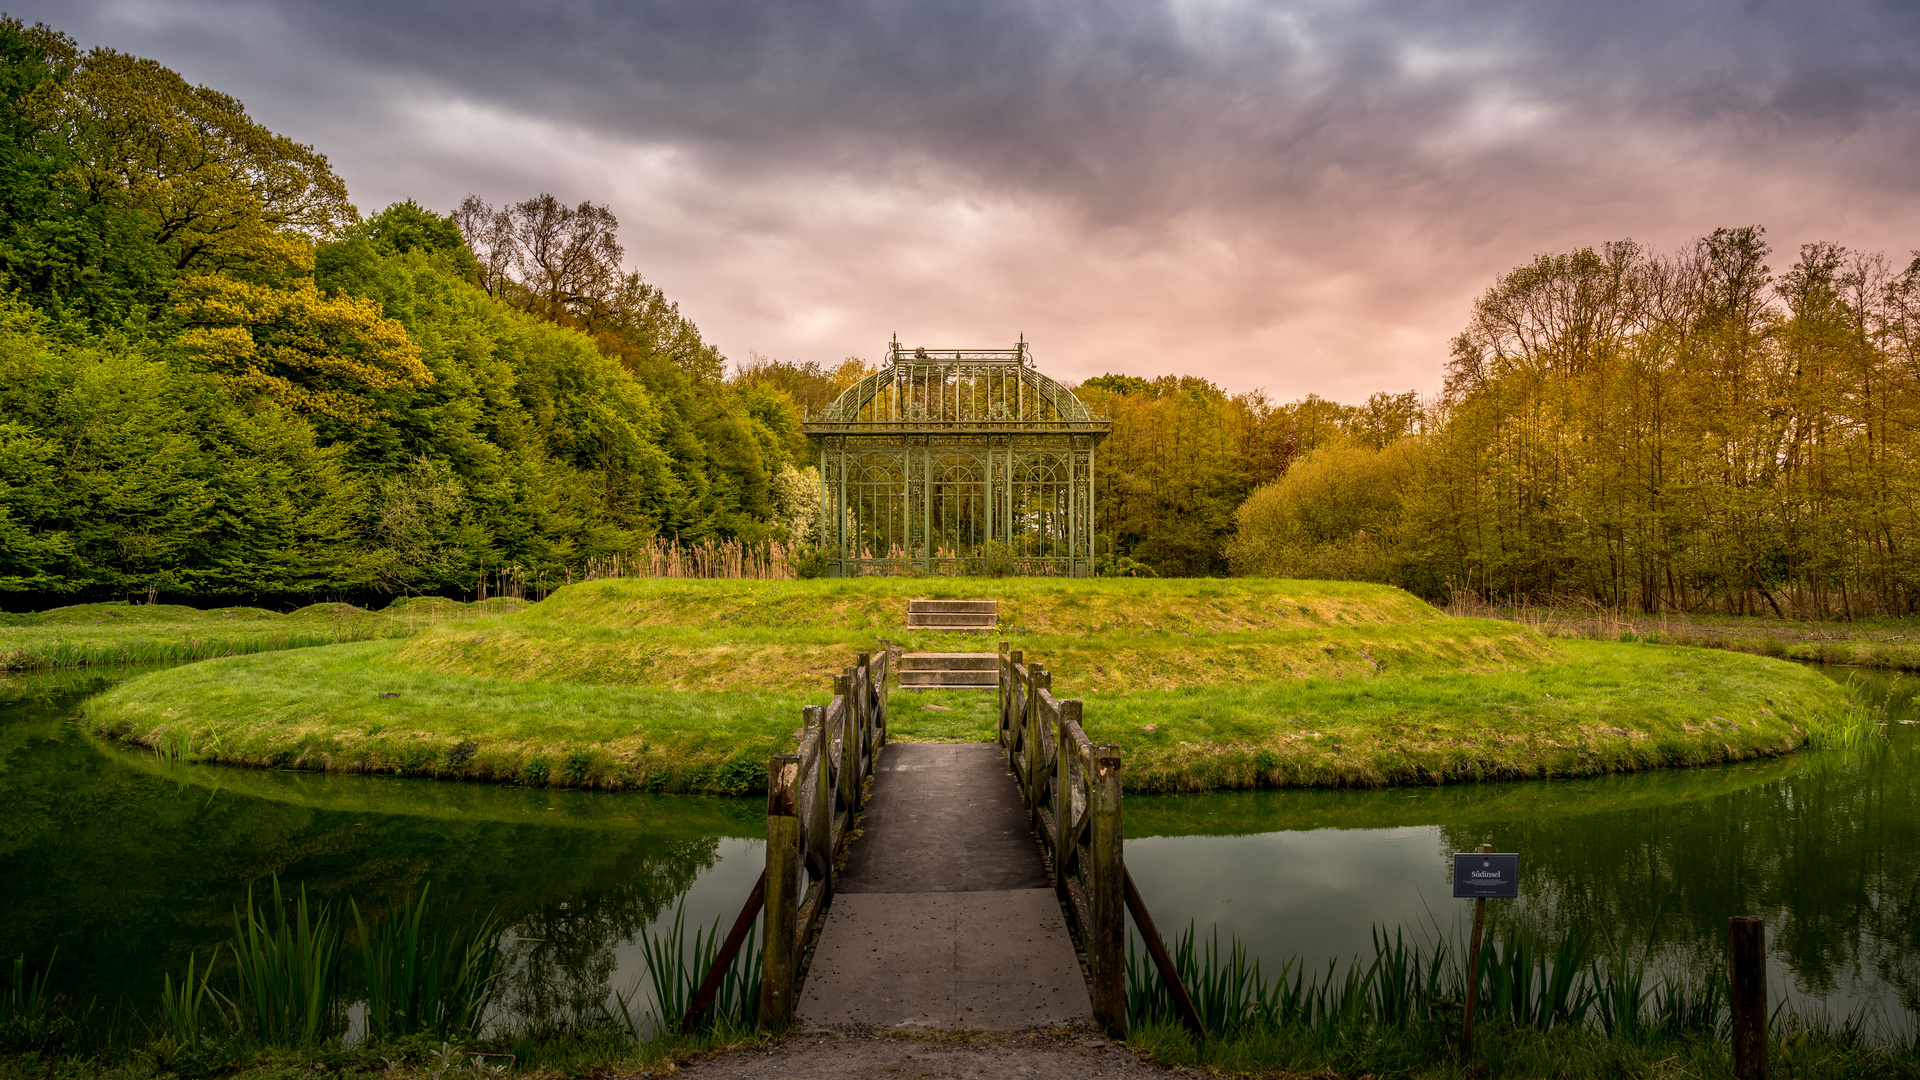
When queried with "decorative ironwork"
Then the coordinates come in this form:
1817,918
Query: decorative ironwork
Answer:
955,461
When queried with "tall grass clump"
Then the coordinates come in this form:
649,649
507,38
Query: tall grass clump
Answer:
286,965
427,978
675,970
1549,1006
193,1012
1848,727
30,1022
1525,981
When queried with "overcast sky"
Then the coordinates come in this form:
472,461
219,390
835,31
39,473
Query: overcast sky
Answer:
1302,197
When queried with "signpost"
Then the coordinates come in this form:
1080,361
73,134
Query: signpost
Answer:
1480,876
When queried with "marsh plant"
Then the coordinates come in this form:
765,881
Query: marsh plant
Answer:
426,975
281,981
286,970
675,970
30,1020
1525,980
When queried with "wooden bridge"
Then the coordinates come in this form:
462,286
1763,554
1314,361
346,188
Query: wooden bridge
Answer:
984,886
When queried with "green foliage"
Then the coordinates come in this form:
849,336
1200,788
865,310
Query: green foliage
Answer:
1336,514
215,380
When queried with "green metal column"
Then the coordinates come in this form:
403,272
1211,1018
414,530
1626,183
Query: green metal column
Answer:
926,505
1073,506
986,489
1093,518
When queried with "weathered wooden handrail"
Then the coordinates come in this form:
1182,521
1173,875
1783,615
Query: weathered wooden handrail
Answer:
1072,789
812,797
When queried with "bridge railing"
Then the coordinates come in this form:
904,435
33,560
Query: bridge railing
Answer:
812,797
1072,789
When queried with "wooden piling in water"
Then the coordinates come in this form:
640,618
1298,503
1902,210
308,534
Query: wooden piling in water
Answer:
1747,995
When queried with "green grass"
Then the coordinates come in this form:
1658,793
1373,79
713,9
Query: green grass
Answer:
1603,708
121,633
689,686
324,709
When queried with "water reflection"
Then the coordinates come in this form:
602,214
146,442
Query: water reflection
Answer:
127,865
1825,845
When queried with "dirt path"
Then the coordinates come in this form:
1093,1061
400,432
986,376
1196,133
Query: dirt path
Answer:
1055,1054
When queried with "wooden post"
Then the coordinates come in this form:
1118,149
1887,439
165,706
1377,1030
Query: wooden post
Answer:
1014,659
1064,748
1106,941
886,675
1036,752
820,815
1036,678
1473,967
1005,670
782,891
1747,995
863,680
849,745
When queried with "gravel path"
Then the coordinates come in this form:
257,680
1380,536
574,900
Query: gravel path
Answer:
1054,1054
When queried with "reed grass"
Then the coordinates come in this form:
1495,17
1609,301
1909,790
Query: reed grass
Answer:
675,970
193,1012
425,978
1566,1008
1850,727
31,1021
286,965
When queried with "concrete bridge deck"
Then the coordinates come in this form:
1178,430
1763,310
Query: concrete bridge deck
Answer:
944,917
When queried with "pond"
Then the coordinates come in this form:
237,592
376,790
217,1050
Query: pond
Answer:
1825,845
127,865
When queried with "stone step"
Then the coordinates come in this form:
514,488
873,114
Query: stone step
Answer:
966,619
989,607
949,661
949,680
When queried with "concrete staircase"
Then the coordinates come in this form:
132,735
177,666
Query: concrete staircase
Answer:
949,671
976,616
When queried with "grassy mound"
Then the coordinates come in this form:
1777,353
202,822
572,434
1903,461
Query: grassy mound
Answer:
122,633
688,686
1102,636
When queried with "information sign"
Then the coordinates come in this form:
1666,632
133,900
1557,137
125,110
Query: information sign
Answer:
1485,875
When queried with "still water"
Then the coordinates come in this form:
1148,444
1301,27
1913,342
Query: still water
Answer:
127,865
1825,845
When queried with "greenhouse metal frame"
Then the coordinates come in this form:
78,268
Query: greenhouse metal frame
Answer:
957,461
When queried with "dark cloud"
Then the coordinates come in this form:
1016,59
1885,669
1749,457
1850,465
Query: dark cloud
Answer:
1301,195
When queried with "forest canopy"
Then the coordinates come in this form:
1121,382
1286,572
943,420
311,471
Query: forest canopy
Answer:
218,378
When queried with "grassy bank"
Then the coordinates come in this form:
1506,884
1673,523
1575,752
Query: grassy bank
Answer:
121,633
353,708
688,686
1874,641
